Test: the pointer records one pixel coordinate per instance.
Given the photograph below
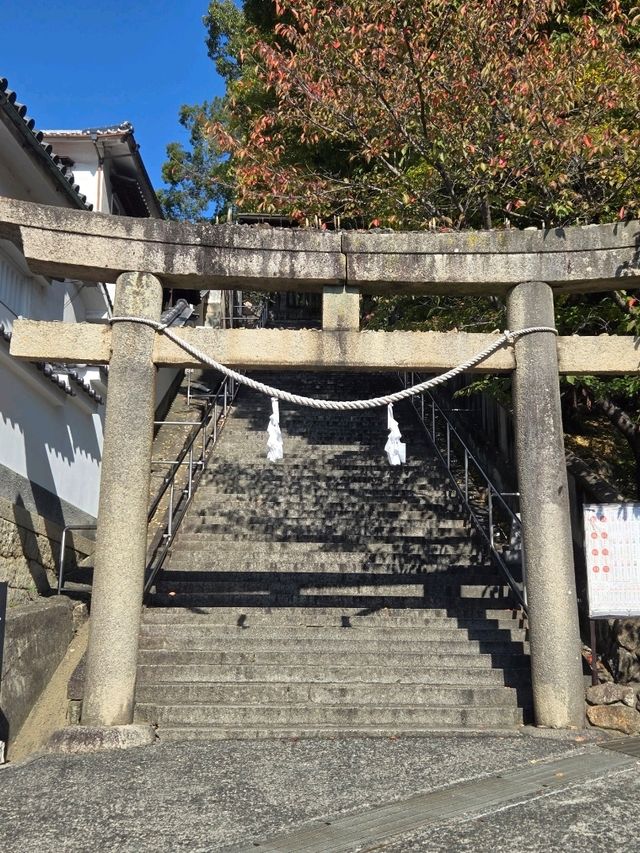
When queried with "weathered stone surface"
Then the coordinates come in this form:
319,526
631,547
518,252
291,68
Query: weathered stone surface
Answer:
99,247
623,655
26,562
556,662
581,259
79,739
37,637
609,693
309,349
620,718
340,309
80,615
29,552
121,538
627,633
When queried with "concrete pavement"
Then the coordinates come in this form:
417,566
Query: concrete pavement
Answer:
219,795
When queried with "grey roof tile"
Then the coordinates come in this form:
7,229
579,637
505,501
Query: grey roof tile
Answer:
18,113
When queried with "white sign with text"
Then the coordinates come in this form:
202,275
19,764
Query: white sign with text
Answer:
612,547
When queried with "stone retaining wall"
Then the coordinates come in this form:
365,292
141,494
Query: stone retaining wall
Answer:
36,640
30,552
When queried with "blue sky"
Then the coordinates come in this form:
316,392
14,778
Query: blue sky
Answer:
78,63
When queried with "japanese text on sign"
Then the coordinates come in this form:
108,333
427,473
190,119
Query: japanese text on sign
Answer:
612,546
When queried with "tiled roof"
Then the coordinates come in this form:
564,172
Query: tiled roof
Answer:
61,377
17,113
143,192
121,129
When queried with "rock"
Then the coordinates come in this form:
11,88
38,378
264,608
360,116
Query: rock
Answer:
623,657
620,718
626,665
609,693
627,634
80,615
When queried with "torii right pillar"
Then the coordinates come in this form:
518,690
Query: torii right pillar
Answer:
556,661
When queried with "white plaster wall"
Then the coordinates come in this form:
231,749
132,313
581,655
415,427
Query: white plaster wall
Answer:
49,438
46,436
87,170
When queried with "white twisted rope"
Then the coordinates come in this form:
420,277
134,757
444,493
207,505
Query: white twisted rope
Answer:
507,337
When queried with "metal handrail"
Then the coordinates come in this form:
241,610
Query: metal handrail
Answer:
4,595
211,416
63,546
207,427
463,489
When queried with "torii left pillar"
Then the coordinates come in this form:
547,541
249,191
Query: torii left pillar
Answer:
121,539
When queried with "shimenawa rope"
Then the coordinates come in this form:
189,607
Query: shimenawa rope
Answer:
507,337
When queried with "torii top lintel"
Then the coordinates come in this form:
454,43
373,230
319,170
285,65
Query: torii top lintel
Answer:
98,247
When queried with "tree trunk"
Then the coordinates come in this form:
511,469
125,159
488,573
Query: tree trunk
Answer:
487,223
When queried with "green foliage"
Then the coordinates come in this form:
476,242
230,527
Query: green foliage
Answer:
200,178
421,113
424,114
434,313
226,28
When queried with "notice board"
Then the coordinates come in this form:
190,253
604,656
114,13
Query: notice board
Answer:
612,547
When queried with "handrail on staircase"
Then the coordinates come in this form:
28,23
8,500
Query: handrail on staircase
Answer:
434,420
210,419
204,435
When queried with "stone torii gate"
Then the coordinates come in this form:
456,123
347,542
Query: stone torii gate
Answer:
142,255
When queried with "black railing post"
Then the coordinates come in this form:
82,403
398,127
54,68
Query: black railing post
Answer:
4,587
4,731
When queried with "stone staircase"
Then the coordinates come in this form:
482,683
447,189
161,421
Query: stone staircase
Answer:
329,592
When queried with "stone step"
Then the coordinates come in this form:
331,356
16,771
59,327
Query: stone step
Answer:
266,513
438,629
345,454
393,541
256,468
190,638
314,694
464,584
278,716
334,674
508,659
337,519
275,600
418,546
330,592
316,506
302,462
173,734
427,509
304,595
257,556
214,563
314,483
214,560
323,617
301,592
210,517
